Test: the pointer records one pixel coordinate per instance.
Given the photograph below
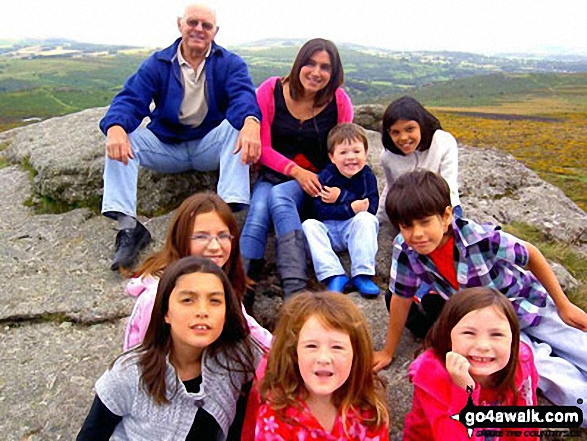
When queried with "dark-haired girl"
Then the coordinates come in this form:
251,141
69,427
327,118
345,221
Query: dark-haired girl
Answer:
183,382
413,138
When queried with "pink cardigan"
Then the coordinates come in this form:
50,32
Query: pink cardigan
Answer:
270,157
436,398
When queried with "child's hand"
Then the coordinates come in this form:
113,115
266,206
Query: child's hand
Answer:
458,369
329,195
573,316
360,205
381,359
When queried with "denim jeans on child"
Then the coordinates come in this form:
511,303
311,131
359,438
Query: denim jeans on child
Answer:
358,235
213,152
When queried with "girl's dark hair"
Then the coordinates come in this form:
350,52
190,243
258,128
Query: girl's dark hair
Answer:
234,343
416,195
408,109
177,242
324,96
458,306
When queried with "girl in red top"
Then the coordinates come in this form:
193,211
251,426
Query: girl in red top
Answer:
319,382
475,342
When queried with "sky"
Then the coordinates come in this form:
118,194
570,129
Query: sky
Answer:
480,26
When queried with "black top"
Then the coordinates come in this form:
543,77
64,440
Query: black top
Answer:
101,422
304,142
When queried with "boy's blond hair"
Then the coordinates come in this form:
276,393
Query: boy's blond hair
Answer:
346,132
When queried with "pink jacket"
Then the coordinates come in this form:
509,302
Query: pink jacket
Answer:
265,97
145,288
436,398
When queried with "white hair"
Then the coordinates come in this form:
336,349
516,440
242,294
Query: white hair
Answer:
181,15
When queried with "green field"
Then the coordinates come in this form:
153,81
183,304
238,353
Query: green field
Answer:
537,117
46,87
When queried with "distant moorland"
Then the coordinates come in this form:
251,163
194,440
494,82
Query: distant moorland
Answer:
534,108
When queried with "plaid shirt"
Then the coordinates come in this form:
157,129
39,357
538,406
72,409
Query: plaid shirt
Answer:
485,256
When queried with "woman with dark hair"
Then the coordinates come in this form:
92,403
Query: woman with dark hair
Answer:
413,138
298,112
184,380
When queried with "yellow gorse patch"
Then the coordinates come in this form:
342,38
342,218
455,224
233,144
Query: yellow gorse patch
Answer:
556,148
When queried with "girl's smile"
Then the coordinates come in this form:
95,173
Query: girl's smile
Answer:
217,248
484,338
406,135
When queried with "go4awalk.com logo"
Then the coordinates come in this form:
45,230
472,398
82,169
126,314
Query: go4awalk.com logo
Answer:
516,417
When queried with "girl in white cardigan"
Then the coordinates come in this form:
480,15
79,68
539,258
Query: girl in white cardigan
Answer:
413,138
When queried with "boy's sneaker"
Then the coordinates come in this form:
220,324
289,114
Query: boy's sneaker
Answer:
337,283
128,244
365,286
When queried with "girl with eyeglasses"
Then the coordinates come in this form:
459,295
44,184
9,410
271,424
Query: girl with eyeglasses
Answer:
298,112
203,226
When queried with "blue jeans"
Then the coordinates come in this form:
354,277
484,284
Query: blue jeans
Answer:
357,234
258,222
212,152
285,201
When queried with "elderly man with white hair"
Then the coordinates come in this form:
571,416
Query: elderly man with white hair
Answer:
205,113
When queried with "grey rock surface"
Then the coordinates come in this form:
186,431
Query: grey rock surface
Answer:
369,116
63,311
67,155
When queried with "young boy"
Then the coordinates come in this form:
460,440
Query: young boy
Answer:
345,214
453,254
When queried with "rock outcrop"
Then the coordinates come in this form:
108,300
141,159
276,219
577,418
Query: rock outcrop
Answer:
63,311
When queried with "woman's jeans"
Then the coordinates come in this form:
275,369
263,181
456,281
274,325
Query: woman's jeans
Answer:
284,205
258,222
279,203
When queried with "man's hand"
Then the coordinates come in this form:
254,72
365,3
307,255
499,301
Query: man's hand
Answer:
117,145
458,369
249,142
573,316
329,195
381,359
308,180
360,205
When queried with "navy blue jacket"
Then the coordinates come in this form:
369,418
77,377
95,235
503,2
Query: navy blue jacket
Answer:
231,96
360,186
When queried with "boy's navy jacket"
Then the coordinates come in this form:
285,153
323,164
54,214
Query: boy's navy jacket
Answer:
230,92
360,186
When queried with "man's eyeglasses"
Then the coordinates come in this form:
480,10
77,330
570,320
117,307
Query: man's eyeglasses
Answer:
193,23
205,239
